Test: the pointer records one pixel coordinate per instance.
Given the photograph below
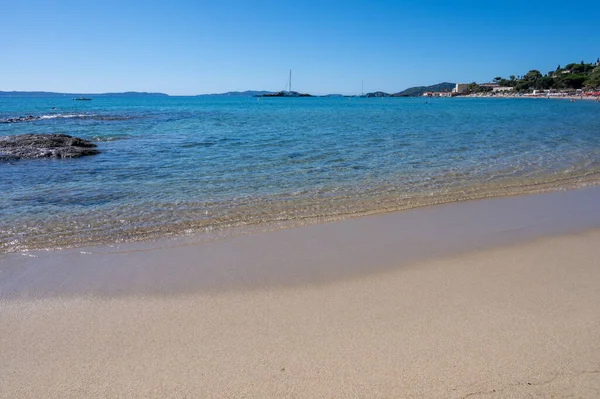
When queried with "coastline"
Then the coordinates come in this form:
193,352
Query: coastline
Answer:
314,253
552,97
488,304
276,214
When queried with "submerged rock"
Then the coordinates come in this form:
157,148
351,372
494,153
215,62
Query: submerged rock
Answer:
44,146
20,119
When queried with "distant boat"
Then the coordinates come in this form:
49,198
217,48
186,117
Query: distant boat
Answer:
82,99
286,93
289,92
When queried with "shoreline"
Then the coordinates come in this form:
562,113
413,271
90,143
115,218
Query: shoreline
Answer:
554,97
314,253
249,219
513,321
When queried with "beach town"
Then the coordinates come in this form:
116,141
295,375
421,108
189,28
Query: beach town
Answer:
575,81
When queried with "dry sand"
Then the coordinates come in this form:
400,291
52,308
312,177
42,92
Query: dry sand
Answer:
517,321
514,322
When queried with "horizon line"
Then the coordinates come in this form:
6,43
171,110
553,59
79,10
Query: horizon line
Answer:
199,94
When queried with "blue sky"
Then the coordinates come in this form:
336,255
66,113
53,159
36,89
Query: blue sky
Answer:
193,47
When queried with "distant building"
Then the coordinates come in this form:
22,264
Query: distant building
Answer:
460,88
501,88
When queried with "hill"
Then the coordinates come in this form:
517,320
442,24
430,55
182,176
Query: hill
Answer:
377,94
570,78
247,93
133,94
419,90
53,94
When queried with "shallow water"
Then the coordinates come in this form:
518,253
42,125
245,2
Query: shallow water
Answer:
182,165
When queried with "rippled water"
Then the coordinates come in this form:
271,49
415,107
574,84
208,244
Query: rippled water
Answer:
184,165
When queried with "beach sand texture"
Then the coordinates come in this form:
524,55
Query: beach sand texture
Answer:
515,322
497,298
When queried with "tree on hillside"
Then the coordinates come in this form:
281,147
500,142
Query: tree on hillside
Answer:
593,80
543,83
573,76
576,68
532,75
574,81
475,88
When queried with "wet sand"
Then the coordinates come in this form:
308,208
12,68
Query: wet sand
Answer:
493,299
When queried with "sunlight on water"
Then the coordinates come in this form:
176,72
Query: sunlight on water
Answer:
184,165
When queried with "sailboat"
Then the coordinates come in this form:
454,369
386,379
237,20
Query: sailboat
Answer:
289,92
362,89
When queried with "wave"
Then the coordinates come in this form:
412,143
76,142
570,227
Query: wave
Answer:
106,139
33,118
57,116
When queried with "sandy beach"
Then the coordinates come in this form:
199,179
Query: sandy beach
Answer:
299,200
487,299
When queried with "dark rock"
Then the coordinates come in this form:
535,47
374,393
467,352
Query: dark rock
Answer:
285,94
20,119
44,146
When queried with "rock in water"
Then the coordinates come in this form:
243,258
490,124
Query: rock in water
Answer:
44,146
18,119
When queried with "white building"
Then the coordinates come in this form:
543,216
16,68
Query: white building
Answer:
460,88
501,88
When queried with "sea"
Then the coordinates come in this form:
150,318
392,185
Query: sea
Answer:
187,166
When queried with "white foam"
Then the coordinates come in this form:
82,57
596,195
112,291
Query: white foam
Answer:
55,116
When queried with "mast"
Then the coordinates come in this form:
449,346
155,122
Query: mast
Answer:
290,80
362,88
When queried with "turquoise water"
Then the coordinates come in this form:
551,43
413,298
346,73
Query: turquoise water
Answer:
183,165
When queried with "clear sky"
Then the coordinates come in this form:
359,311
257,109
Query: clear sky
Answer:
194,47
